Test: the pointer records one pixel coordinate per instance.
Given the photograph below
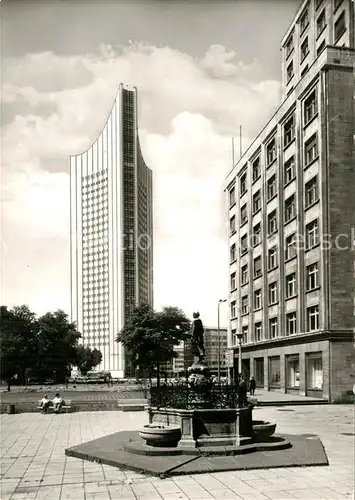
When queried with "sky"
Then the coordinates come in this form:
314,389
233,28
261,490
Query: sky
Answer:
202,69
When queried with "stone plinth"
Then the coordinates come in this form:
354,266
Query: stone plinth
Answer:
207,427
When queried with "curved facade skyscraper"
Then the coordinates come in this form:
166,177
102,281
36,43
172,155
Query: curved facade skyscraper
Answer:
111,233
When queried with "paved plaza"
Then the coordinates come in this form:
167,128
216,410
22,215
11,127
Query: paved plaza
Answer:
33,463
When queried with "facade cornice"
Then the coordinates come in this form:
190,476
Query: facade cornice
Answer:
331,336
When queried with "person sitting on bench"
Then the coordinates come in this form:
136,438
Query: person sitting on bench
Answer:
44,403
57,403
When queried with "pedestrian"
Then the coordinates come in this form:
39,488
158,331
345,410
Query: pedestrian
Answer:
252,385
57,403
44,403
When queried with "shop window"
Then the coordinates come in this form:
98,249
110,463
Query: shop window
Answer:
293,371
274,371
259,371
314,371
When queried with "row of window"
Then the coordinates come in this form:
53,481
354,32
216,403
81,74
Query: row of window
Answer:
312,373
312,283
339,26
310,154
293,243
311,196
312,324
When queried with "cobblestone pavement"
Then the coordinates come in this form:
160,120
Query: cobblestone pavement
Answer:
33,464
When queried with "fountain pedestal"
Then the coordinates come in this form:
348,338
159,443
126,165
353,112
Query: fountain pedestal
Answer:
207,427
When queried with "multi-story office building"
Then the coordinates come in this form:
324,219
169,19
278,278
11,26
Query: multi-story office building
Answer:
111,232
215,348
291,212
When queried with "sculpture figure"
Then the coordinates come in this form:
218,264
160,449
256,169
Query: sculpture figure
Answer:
197,341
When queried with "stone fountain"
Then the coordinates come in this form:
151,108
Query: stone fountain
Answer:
209,419
192,424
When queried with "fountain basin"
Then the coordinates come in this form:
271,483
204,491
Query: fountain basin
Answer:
161,435
262,431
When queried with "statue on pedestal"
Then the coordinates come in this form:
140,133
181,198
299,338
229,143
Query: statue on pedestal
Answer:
197,341
198,372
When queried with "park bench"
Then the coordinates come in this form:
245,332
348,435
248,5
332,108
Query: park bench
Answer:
132,404
66,406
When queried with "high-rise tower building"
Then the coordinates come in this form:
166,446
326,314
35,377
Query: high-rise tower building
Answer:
291,214
111,232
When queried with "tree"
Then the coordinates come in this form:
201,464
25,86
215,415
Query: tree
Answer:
149,337
57,345
87,358
18,342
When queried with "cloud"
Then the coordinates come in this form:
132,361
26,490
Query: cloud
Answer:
189,109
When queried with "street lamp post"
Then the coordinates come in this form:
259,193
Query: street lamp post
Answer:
219,340
240,338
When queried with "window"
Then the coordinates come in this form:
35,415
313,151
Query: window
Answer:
244,274
290,247
233,282
290,170
290,285
257,267
259,371
337,3
304,49
312,318
243,184
312,234
257,299
273,293
273,328
258,331
244,244
245,334
256,202
271,187
256,235
232,224
233,309
339,27
314,371
272,223
243,215
321,23
289,46
274,371
310,150
291,323
321,48
289,131
304,71
290,208
312,279
245,304
311,192
292,371
271,151
232,196
310,107
272,258
289,72
256,169
304,20
233,253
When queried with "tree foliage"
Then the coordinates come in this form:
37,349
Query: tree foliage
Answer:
18,342
57,345
149,337
87,358
42,347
